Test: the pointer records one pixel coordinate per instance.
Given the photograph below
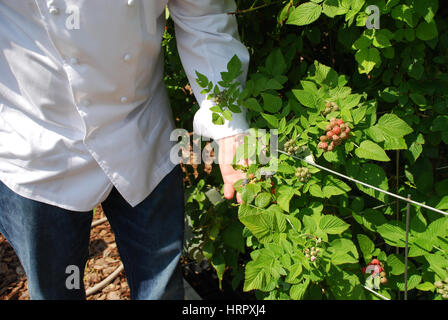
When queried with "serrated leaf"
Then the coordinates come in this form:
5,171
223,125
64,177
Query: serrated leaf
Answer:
333,225
305,14
370,150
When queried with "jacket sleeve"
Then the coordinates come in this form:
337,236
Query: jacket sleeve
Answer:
207,38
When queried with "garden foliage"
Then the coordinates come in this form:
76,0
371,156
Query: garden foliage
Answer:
304,233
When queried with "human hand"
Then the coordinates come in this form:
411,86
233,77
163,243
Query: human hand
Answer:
227,149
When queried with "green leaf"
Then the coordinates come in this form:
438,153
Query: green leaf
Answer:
271,103
393,233
201,80
253,104
306,98
426,8
426,286
371,174
418,99
396,264
285,194
271,120
332,225
233,236
427,31
249,192
275,63
390,129
333,8
437,263
403,13
382,38
343,251
254,277
366,245
370,150
219,264
367,59
263,199
333,186
297,291
305,14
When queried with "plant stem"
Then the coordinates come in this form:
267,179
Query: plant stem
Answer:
252,8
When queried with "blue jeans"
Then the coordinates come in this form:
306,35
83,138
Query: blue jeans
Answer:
149,237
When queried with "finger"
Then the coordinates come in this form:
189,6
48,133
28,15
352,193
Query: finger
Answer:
239,199
229,191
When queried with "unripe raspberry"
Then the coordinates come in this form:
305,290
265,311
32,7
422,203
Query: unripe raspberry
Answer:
328,127
343,136
327,110
336,107
323,145
330,147
330,134
438,284
347,130
383,280
323,138
336,137
382,274
328,104
313,258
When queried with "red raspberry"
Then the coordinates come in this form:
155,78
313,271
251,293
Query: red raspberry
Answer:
330,134
323,145
375,262
339,122
337,130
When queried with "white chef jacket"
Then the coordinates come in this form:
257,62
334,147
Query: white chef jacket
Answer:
83,110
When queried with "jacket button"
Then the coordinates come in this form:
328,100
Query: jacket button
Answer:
131,3
53,10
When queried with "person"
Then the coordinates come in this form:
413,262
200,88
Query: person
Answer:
85,120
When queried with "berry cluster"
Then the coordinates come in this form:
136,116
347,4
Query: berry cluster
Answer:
376,270
336,132
442,288
290,147
313,252
330,107
303,174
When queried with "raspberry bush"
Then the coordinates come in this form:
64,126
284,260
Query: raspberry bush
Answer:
369,103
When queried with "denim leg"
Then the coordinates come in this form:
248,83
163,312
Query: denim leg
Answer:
149,239
47,240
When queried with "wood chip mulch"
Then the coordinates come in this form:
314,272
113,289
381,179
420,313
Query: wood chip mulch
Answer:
103,260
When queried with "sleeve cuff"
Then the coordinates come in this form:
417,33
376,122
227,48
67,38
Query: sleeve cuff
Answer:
204,126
